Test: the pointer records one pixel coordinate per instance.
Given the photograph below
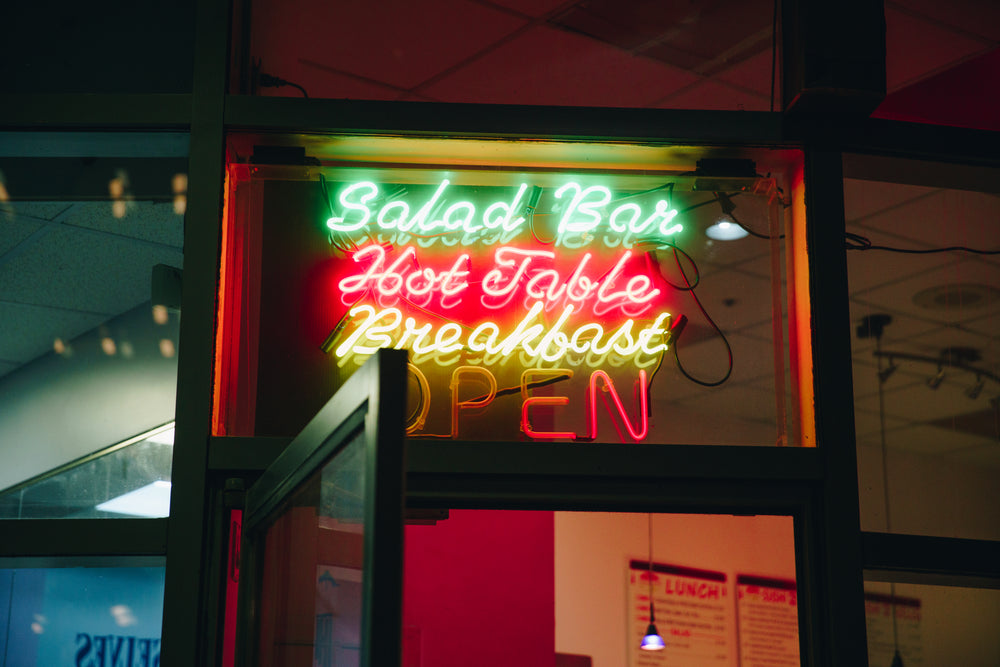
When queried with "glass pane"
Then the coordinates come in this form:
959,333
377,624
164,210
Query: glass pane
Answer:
513,587
595,300
599,53
932,625
311,595
943,85
925,308
91,249
130,479
81,616
116,46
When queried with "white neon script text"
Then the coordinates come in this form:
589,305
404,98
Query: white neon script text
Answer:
388,328
583,210
514,269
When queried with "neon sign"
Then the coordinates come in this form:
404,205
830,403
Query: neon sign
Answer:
584,210
507,298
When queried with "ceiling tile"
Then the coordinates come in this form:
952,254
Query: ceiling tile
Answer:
870,269
988,325
28,331
983,456
931,343
43,210
867,426
732,299
864,198
708,361
144,220
932,440
980,17
83,271
917,48
530,7
753,74
14,230
928,404
716,96
942,219
955,280
547,66
397,42
865,376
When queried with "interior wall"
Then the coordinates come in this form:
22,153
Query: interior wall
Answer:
478,589
61,407
591,565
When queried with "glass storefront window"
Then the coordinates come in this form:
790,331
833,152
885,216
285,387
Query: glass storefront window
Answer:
90,257
81,616
514,587
925,307
129,479
932,625
599,53
545,291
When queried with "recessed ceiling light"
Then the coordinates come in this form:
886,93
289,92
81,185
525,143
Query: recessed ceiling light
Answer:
956,295
725,231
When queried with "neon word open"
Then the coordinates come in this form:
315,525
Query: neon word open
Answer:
637,429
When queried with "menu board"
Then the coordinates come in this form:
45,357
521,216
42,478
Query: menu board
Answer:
693,613
767,621
882,641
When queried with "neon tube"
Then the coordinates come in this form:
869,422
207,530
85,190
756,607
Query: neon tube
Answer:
609,386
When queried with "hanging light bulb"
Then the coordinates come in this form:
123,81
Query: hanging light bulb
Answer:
976,389
651,641
886,372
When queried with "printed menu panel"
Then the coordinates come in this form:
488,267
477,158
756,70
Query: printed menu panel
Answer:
767,621
693,613
883,639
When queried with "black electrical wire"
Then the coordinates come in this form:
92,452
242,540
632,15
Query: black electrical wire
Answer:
725,341
859,242
268,81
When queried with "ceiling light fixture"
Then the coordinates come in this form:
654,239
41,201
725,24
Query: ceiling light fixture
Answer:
725,228
976,389
652,641
935,381
886,372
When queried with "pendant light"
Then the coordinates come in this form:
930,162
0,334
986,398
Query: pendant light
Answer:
652,641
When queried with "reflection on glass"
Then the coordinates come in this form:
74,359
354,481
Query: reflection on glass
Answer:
130,479
311,599
932,625
925,310
598,53
83,362
81,616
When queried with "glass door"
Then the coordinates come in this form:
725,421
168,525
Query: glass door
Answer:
324,531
